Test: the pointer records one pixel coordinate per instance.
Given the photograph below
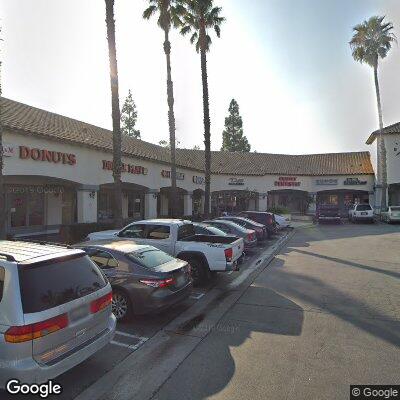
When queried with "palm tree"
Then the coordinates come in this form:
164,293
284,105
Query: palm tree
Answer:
3,213
169,12
200,16
116,114
372,41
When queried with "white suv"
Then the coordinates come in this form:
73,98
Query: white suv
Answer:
361,212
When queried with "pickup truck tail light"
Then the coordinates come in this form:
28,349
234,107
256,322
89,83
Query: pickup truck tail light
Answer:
19,334
158,283
250,236
101,303
228,254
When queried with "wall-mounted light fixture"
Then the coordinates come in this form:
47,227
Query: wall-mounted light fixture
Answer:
92,194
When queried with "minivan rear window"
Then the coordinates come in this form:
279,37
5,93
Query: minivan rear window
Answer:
150,258
47,285
364,207
1,282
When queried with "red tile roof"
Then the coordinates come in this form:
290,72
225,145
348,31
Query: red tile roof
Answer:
37,122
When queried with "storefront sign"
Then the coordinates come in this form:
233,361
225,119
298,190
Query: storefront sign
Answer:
50,156
354,181
326,182
8,150
35,189
236,182
287,181
180,176
131,169
198,180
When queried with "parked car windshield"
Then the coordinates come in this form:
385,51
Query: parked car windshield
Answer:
150,258
364,207
395,208
51,284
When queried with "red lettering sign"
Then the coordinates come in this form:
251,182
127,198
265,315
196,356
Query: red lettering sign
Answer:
50,156
287,181
131,169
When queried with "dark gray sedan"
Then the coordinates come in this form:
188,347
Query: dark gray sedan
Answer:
144,279
232,229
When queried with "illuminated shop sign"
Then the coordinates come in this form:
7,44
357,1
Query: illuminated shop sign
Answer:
198,180
51,156
287,181
130,169
326,182
236,182
354,181
180,176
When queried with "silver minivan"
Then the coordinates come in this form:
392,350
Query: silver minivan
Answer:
55,310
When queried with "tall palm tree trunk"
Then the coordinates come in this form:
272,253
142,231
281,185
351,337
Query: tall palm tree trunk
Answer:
3,214
171,123
207,123
116,115
382,168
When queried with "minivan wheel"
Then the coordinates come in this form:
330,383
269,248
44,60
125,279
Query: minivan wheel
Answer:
121,306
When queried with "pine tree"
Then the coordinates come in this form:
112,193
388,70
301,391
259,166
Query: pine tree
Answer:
232,137
129,117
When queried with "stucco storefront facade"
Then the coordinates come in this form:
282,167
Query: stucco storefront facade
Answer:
50,183
59,171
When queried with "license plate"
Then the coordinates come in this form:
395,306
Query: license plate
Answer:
78,313
364,213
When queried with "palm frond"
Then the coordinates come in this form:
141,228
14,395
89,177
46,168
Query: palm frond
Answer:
186,29
149,12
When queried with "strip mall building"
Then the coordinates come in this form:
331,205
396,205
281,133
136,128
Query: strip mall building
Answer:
59,171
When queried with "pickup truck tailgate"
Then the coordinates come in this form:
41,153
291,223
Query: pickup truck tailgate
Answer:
238,247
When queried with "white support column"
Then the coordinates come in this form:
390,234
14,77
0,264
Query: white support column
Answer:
371,199
87,203
312,207
188,203
150,204
262,201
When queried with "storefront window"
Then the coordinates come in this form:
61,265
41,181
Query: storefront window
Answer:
105,209
25,206
18,209
135,205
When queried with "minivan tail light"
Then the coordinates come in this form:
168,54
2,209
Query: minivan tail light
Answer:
269,219
158,283
229,254
101,303
19,334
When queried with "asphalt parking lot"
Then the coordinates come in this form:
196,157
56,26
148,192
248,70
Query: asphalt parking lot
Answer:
132,335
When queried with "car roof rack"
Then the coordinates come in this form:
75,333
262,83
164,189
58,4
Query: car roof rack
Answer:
43,242
7,256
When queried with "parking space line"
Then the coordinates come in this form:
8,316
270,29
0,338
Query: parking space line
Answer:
121,344
130,346
196,296
128,335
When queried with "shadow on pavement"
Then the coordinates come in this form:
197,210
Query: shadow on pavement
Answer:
210,368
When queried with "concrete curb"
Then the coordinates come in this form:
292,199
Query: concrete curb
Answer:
143,372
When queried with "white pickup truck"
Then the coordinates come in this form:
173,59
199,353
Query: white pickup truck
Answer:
176,237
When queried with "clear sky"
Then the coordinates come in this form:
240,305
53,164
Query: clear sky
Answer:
286,62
